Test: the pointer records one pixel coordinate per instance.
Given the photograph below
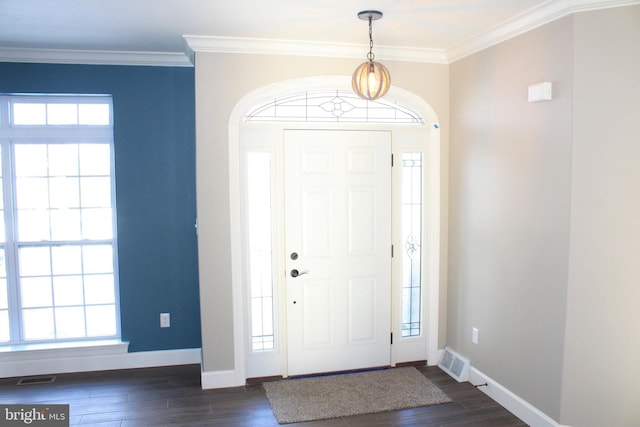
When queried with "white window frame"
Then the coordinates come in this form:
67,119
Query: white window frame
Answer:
11,134
270,125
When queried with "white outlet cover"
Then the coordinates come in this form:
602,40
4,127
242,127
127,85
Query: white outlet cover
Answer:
165,320
474,335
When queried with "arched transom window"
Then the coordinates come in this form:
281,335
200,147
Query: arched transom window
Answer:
332,106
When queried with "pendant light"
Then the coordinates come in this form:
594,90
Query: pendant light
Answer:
371,80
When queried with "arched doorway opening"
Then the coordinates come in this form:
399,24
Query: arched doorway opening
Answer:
269,356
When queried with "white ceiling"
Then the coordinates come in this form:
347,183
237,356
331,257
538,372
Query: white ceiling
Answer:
437,30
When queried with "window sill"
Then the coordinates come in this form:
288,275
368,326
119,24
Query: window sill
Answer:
24,352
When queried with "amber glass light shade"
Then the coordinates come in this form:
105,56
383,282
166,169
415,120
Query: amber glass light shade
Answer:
371,80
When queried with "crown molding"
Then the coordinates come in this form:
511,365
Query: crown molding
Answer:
545,13
94,57
535,17
214,44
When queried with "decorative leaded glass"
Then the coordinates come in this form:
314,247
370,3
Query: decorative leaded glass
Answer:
260,252
332,106
412,206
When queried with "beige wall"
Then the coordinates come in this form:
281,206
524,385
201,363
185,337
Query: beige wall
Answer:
544,209
510,176
221,81
602,349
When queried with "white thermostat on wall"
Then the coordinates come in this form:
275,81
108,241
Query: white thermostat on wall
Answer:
540,92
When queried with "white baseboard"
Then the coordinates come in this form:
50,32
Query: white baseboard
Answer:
435,357
233,378
219,379
512,402
97,357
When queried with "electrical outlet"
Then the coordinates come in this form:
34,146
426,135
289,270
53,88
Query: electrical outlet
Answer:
165,320
474,335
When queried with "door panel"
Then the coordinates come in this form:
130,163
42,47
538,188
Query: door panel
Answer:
318,329
338,219
362,310
362,221
316,221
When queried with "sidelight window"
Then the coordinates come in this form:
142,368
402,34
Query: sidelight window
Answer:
412,212
260,242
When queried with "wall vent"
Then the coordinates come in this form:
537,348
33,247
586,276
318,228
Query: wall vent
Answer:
37,380
454,365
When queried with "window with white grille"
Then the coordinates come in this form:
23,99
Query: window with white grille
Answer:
58,261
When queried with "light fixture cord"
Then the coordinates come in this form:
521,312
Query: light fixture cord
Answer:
370,55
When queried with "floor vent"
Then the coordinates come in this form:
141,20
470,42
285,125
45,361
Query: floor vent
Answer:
37,380
454,365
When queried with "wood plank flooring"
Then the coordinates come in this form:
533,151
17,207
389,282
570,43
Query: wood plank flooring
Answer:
171,396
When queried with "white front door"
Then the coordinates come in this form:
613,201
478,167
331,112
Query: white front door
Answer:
338,247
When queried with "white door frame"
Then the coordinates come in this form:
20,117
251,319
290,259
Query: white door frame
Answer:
432,227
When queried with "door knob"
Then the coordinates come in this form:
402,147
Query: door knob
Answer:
296,273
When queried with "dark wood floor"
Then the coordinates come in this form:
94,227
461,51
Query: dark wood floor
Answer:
171,396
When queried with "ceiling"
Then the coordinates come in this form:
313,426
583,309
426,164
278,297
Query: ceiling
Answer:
107,30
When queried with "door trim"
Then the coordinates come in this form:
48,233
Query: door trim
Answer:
435,241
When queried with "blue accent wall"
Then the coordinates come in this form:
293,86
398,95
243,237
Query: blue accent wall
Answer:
154,135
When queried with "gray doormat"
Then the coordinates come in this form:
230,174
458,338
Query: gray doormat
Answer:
333,396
